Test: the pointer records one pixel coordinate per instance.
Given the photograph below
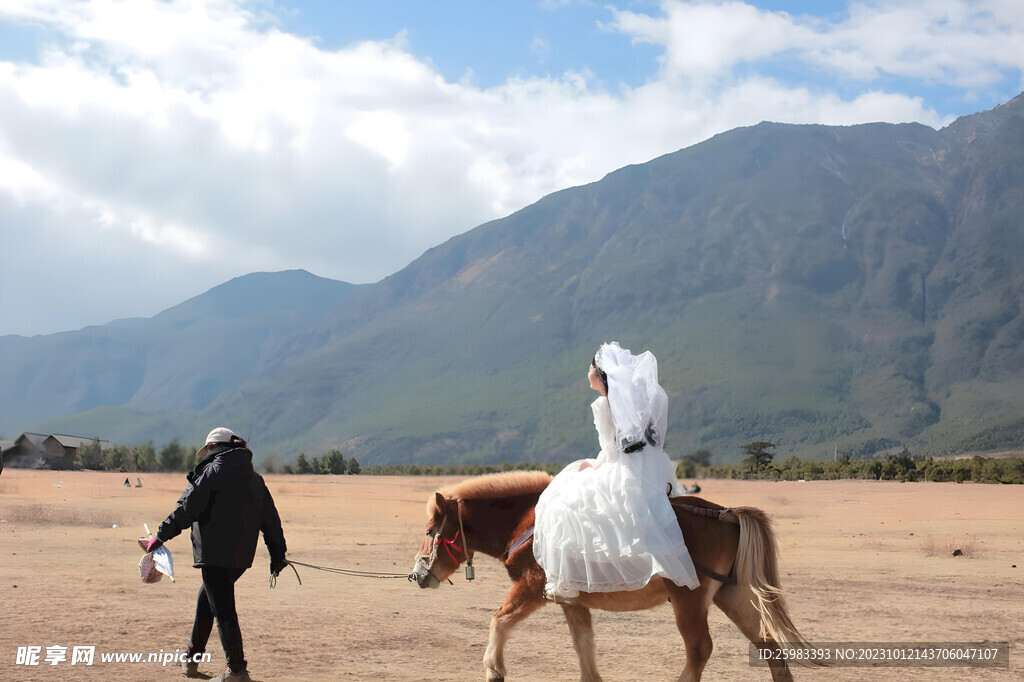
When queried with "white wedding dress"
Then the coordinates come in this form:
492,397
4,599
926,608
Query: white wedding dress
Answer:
611,527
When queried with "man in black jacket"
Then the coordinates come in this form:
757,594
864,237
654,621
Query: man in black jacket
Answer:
227,505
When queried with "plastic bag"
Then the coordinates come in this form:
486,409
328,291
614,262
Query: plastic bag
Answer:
148,569
156,564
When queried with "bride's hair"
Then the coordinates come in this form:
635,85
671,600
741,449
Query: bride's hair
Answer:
604,377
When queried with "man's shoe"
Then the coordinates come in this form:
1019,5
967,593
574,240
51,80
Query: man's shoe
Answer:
191,668
241,676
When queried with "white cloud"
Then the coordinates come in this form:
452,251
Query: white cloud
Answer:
706,39
385,132
190,130
959,42
964,43
24,183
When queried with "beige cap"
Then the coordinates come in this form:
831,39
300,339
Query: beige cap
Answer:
221,435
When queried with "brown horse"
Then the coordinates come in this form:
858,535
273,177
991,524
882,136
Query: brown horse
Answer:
734,551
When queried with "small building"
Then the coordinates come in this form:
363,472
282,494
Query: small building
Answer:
45,451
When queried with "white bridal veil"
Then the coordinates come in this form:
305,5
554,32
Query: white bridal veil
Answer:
638,403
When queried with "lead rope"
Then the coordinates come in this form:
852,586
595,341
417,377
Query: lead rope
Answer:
273,576
340,571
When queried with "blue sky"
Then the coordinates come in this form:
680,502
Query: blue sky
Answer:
492,41
175,144
496,41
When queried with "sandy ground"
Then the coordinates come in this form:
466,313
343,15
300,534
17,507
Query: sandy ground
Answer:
862,562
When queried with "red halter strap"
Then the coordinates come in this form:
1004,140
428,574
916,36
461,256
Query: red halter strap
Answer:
450,544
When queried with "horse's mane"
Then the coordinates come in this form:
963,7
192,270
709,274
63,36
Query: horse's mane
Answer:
508,484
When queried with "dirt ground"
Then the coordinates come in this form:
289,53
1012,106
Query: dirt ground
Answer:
861,562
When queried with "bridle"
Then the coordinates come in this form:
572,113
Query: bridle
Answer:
427,560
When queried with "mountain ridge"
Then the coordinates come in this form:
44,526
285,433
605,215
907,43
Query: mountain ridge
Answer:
137,363
832,287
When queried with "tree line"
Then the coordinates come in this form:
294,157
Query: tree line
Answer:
331,462
759,464
136,458
176,457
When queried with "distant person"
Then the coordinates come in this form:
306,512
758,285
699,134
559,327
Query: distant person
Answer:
606,524
227,505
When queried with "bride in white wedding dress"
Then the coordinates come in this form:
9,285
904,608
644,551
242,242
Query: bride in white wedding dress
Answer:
606,524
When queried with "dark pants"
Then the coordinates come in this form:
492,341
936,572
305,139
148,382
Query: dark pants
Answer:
217,601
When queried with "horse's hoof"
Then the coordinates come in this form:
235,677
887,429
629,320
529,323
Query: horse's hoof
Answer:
494,677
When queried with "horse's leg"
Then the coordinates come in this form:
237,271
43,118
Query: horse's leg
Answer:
523,599
691,611
737,602
582,631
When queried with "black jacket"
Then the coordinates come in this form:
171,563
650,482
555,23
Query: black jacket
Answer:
227,504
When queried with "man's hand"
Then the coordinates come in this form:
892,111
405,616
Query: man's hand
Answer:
154,544
277,566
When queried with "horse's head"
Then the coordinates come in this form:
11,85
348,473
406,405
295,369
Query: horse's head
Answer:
444,548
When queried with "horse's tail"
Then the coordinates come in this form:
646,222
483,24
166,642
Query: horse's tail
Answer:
757,567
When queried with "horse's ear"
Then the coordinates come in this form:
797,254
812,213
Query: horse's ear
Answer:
442,502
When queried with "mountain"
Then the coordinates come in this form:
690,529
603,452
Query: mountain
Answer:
177,361
827,288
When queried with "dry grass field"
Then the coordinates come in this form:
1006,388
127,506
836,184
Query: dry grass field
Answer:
862,562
